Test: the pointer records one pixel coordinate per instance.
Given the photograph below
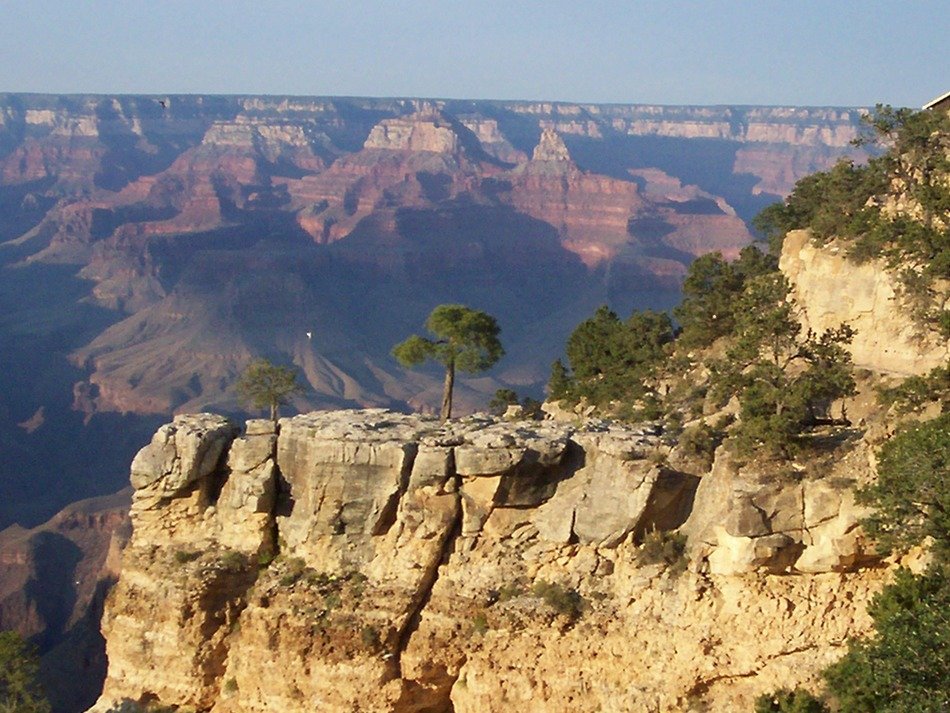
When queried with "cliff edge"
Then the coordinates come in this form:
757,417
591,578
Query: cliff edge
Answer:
375,561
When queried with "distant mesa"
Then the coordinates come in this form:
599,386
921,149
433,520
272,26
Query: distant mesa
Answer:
427,130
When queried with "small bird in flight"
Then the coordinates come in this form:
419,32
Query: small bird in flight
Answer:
309,335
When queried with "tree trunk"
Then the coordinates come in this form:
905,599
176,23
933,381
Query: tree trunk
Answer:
446,412
273,412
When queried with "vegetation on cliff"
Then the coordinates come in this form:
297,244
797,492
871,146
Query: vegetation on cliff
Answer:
782,377
19,667
610,361
466,339
896,206
267,385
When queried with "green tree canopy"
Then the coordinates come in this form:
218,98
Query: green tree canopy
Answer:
777,402
610,359
911,497
465,339
19,690
710,293
905,667
847,203
266,385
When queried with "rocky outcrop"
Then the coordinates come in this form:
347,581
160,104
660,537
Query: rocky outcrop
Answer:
378,561
831,289
747,519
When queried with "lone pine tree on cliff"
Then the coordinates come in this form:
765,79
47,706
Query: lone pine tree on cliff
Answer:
266,385
465,339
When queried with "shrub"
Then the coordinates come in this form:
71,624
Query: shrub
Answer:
265,558
186,556
700,441
610,359
904,668
911,497
294,570
667,548
19,670
479,624
510,591
230,686
369,635
916,391
561,599
784,701
233,561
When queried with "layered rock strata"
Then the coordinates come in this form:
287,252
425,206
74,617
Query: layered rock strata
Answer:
374,561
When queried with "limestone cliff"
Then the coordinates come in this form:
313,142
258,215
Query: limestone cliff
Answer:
831,289
481,565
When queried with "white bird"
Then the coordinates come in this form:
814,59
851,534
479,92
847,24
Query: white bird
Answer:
309,335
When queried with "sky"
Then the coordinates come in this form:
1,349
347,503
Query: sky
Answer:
772,52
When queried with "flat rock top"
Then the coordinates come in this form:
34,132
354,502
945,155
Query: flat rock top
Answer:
478,430
378,425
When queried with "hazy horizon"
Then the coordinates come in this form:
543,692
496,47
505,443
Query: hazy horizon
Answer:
846,54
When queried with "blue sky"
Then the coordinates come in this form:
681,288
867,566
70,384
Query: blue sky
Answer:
835,52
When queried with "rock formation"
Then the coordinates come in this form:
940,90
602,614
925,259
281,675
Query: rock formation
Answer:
832,289
368,560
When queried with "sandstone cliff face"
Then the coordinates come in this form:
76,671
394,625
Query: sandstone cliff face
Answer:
831,289
423,567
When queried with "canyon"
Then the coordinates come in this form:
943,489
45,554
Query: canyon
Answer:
151,246
370,560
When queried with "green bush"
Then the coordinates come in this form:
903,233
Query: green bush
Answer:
610,359
700,441
784,701
845,202
905,667
911,497
294,569
479,624
663,547
511,590
561,599
233,561
186,556
19,670
916,391
369,635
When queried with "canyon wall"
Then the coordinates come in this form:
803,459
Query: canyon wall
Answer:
374,561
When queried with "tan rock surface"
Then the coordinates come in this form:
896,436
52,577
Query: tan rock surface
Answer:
429,567
831,289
